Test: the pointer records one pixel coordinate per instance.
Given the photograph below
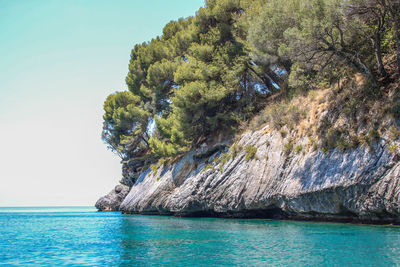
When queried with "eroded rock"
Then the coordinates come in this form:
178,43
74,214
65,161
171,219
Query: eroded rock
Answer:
360,184
113,200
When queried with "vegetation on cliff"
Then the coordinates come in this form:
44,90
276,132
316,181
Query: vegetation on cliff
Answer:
210,73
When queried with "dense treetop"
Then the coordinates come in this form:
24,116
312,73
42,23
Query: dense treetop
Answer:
208,73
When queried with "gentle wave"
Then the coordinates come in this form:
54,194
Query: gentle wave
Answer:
80,236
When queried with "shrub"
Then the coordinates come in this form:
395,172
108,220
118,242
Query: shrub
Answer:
251,152
298,149
225,158
393,148
162,161
312,142
331,139
288,147
313,94
354,141
285,114
371,91
342,144
154,169
283,132
369,138
278,115
235,149
314,147
351,106
394,133
207,167
373,134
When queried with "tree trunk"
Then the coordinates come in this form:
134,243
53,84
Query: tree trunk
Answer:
357,64
394,9
145,141
397,37
287,64
378,55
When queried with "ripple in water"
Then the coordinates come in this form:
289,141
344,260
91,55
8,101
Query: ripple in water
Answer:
81,236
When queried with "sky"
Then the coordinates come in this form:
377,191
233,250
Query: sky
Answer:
58,62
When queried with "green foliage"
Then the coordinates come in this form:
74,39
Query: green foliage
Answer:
339,138
125,124
370,91
308,39
162,161
154,169
343,145
354,141
331,139
251,152
288,147
393,148
394,133
279,115
235,149
298,149
225,158
313,143
162,149
196,79
351,106
369,138
207,167
208,73
373,134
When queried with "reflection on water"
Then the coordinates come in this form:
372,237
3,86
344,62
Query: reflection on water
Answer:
154,239
73,236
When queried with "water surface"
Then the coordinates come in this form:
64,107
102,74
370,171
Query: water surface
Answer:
81,236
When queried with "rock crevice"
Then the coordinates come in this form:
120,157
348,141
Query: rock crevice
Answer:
360,184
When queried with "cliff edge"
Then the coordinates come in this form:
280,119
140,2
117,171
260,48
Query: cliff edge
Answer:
320,166
359,185
113,199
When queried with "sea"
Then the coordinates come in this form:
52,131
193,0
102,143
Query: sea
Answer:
81,236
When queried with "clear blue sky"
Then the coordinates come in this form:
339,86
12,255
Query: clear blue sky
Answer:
58,62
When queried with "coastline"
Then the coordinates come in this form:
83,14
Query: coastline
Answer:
352,221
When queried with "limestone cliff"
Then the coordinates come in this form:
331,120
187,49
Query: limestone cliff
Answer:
362,184
279,173
112,200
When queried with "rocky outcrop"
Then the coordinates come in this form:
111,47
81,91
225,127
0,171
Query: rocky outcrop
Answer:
131,169
283,179
112,201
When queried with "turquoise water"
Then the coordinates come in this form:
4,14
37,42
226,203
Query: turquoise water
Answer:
82,236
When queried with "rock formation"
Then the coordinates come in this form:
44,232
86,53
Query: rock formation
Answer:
361,184
112,201
277,172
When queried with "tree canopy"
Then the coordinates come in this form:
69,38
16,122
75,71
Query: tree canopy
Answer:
206,74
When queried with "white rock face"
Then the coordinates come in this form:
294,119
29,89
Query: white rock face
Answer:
361,184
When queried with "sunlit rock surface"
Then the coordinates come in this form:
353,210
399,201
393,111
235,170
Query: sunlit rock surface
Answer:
360,184
112,200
